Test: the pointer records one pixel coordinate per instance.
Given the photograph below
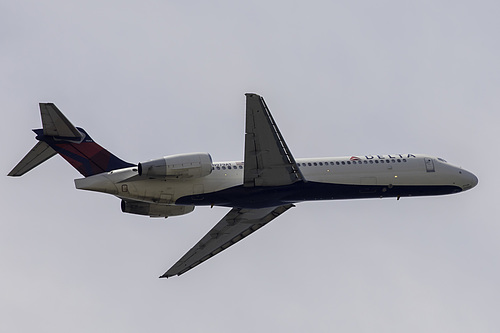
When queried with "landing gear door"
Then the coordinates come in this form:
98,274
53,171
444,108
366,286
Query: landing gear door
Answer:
429,164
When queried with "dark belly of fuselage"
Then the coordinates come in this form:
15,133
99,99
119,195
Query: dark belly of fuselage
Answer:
259,197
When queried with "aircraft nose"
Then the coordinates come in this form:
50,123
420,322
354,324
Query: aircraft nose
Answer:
469,180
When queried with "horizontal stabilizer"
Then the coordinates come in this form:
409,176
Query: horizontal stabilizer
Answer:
37,155
56,124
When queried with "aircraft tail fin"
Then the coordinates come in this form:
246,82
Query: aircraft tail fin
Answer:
60,136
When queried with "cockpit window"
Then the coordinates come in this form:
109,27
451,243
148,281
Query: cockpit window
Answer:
442,160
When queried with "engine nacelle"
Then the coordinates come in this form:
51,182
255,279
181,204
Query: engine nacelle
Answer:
154,210
193,165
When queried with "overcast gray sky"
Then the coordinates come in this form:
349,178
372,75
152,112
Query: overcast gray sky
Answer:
154,78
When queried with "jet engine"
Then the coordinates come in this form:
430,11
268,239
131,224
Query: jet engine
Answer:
192,165
154,210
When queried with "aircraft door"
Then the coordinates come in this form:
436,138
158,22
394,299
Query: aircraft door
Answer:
429,164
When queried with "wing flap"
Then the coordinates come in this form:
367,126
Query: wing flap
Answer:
236,225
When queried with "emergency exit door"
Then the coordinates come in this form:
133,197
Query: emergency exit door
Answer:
429,164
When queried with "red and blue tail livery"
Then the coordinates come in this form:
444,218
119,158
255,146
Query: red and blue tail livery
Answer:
86,156
59,136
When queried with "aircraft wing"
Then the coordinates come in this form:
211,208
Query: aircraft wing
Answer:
268,161
236,225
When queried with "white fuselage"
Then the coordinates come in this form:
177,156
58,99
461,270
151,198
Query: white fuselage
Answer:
326,178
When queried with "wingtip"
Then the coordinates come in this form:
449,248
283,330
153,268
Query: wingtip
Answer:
45,103
251,94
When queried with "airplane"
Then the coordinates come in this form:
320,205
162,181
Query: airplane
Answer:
267,183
